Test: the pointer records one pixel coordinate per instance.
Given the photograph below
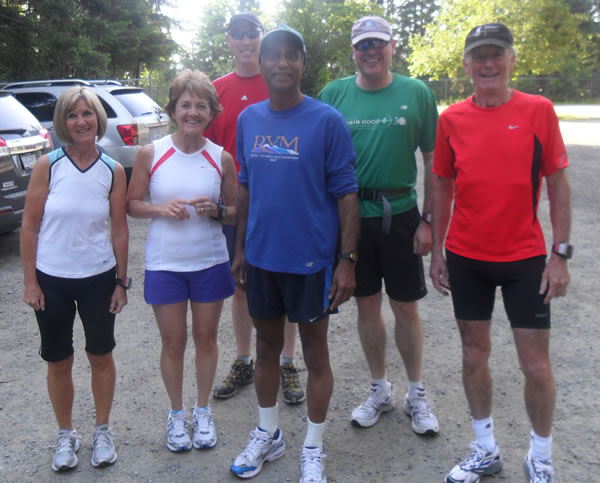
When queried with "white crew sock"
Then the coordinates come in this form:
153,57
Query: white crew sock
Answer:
540,447
484,432
268,419
314,435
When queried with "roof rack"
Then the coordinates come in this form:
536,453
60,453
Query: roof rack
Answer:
49,83
105,82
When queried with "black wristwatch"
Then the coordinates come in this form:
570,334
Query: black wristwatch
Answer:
124,282
350,256
563,250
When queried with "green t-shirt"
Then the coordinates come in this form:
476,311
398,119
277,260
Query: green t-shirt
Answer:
387,126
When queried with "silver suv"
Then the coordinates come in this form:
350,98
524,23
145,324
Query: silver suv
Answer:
134,119
22,141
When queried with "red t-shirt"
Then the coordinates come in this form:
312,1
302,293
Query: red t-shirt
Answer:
497,157
235,94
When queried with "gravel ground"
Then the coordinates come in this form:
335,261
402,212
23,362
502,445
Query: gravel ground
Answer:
387,452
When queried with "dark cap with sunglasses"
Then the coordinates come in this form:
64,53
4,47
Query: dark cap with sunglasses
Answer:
371,28
489,34
248,17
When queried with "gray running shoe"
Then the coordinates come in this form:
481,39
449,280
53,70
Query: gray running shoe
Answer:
480,462
313,466
65,450
423,420
103,447
378,402
538,470
205,434
240,375
290,384
261,447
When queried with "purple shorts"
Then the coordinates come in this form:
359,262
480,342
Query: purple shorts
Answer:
163,287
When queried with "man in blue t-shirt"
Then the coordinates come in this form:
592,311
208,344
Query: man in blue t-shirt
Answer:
297,202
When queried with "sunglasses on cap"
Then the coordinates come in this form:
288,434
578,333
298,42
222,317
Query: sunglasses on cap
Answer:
239,34
367,44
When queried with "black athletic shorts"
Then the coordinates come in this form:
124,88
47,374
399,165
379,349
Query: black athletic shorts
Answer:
473,286
304,298
230,232
390,257
90,297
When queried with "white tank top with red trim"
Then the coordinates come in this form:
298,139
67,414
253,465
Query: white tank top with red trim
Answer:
198,242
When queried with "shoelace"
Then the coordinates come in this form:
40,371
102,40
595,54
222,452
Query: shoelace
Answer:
289,375
178,425
311,464
236,374
477,454
202,421
103,439
373,400
255,444
420,408
66,442
543,469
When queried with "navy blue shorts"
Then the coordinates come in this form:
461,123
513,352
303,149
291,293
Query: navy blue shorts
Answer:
163,287
90,296
304,298
389,256
473,287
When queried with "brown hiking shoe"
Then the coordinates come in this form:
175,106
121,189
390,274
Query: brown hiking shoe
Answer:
240,375
290,384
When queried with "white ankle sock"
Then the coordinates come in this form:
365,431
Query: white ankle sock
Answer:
383,382
245,358
314,434
268,419
484,432
540,447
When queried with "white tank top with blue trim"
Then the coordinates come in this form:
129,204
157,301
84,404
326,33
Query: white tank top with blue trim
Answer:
198,242
74,239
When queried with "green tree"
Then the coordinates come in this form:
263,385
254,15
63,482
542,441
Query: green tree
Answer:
546,33
326,28
210,53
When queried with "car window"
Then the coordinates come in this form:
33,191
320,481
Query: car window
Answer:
14,118
110,113
137,103
40,104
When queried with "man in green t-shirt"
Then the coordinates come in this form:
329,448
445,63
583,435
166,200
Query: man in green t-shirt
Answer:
389,116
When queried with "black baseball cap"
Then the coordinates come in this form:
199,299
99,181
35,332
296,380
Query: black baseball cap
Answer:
248,16
489,34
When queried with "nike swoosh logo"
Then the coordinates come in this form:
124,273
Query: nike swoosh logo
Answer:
511,126
313,318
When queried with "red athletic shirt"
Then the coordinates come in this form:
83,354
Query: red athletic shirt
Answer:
235,94
497,157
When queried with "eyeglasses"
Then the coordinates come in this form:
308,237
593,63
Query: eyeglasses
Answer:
239,34
367,44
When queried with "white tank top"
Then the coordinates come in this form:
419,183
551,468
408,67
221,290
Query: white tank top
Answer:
74,238
198,242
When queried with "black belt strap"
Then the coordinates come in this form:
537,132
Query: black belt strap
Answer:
375,195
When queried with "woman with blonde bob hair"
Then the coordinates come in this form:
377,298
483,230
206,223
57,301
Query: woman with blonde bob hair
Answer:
74,242
192,184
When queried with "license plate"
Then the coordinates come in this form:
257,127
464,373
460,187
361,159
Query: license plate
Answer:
28,160
155,133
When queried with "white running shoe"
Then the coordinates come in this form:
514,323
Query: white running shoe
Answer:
313,466
178,437
205,434
538,470
103,447
480,462
65,450
261,447
378,401
423,420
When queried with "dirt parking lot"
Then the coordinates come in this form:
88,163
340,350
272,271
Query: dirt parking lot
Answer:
387,452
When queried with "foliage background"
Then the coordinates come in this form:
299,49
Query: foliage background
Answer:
132,39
